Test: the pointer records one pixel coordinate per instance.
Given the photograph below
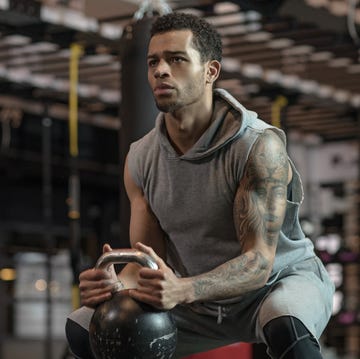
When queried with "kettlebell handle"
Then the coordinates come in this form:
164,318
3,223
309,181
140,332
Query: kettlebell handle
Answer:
125,255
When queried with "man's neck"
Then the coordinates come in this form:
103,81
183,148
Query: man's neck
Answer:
185,127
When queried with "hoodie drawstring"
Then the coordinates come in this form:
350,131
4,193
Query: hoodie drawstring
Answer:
220,315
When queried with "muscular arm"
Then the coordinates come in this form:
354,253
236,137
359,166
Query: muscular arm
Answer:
96,285
259,210
144,228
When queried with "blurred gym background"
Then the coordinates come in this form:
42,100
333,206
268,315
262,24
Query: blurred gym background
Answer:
71,101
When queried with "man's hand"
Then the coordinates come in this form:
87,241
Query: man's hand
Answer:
160,288
96,285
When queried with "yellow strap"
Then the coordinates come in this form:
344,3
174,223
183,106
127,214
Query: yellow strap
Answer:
278,104
75,53
75,294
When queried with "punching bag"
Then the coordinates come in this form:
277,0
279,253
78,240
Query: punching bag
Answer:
137,108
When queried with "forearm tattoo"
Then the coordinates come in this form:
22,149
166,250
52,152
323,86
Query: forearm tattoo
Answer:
233,278
259,210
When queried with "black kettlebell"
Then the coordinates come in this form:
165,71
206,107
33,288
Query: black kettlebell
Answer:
123,328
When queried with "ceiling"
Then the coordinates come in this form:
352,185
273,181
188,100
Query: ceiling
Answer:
297,61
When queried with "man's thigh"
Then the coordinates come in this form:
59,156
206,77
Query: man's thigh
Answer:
199,333
82,316
305,293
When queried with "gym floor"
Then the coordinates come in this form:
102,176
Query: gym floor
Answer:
32,349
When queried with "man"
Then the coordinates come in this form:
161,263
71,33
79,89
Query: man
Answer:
214,200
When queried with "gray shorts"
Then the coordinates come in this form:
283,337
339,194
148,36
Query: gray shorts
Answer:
303,290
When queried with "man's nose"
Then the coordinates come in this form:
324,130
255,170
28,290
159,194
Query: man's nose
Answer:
162,69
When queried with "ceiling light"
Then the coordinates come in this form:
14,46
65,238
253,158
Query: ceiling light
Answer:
308,86
253,16
252,70
18,75
252,88
272,76
317,3
340,62
225,7
15,40
325,91
298,50
227,19
112,32
97,59
355,100
51,14
258,36
68,17
34,47
338,8
229,83
43,46
4,4
290,81
254,26
354,69
88,90
321,56
341,96
280,43
60,85
261,100
22,60
42,81
110,96
230,64
64,53
233,30
76,20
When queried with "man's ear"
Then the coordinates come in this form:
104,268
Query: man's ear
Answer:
213,71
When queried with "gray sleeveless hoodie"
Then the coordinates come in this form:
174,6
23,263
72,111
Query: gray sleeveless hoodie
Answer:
192,194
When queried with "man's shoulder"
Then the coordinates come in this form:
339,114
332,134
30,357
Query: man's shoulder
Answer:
144,143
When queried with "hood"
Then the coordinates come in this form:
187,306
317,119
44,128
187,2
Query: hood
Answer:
229,121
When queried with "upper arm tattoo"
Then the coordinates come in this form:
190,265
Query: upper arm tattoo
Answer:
260,201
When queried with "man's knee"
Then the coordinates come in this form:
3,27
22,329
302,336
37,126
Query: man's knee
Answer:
288,338
78,340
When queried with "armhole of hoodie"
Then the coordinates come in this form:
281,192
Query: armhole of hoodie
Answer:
134,165
297,191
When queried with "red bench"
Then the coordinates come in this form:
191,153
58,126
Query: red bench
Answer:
233,351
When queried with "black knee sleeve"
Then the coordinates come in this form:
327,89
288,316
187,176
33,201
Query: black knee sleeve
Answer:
288,338
78,340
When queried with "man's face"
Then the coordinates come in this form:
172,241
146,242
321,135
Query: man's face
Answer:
175,72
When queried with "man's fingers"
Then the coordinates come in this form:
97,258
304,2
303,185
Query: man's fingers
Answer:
147,298
106,248
91,285
94,300
147,273
148,250
152,284
94,275
94,293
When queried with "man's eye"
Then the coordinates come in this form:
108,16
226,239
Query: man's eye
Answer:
152,63
177,59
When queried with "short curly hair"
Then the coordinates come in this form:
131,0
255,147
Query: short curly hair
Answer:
206,39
